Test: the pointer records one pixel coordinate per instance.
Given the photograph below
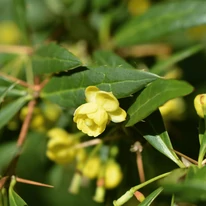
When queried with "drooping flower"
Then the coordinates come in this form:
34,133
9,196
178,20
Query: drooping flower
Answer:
101,108
200,104
60,147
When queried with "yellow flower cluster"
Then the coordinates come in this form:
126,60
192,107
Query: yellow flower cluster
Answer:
60,146
101,108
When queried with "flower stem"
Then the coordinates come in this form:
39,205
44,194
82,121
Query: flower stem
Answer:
128,195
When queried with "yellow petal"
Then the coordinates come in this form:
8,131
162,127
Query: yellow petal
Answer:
86,108
99,117
57,132
93,129
58,144
107,100
118,116
90,93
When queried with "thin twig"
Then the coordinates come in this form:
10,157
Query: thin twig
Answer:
140,167
30,182
26,123
3,181
186,157
14,79
11,49
88,143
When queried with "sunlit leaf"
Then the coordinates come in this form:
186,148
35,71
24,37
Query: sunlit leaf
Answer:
69,91
53,58
154,96
160,20
110,59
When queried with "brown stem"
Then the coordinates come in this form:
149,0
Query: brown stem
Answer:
186,157
11,49
14,79
3,181
26,123
88,143
140,167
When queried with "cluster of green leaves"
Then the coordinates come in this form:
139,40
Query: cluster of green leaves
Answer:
68,77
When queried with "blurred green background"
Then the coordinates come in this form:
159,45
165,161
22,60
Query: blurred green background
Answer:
142,33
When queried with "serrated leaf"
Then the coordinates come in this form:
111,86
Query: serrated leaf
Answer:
154,96
69,91
150,198
161,19
7,112
110,59
53,58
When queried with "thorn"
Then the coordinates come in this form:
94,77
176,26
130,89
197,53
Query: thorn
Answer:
30,182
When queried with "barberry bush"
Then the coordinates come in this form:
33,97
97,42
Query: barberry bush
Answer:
102,102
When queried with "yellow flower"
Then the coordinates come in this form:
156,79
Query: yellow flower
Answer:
101,107
138,7
173,109
60,146
10,33
113,175
92,167
200,104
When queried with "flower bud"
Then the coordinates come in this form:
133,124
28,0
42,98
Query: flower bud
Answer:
200,104
113,175
91,168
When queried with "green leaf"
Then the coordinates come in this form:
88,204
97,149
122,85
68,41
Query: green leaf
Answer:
154,96
3,197
153,130
161,67
150,198
11,92
20,17
191,189
54,58
7,112
160,20
14,198
69,91
6,91
110,59
158,143
7,152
